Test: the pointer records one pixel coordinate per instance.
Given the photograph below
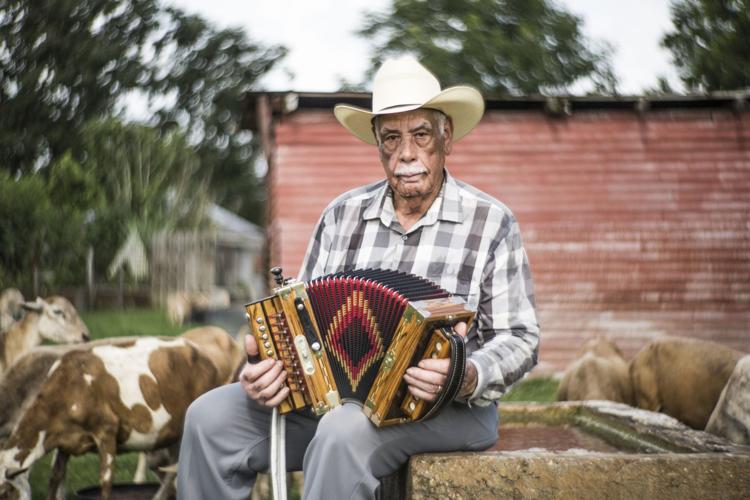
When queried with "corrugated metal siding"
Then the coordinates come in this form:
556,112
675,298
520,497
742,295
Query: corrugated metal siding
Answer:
636,225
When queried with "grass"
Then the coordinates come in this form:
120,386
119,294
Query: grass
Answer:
539,389
105,324
83,471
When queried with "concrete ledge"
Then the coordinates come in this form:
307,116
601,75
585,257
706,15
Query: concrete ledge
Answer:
593,449
578,475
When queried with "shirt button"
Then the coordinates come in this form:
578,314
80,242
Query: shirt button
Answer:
404,237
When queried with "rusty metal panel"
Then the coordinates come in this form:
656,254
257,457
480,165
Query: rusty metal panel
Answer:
636,225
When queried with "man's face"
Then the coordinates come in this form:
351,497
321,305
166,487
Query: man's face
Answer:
413,150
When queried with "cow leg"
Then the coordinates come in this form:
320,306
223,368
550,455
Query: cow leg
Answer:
56,488
140,470
167,490
107,450
166,465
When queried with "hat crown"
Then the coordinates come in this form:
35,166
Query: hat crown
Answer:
402,82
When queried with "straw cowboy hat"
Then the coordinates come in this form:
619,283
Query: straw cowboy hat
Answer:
403,85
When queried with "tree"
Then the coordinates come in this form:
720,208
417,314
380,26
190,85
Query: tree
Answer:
498,46
209,71
155,179
143,179
711,43
63,62
37,235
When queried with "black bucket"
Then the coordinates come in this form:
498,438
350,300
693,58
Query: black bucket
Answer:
120,491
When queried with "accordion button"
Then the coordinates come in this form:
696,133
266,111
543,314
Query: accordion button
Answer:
412,406
315,346
438,346
264,336
259,320
267,345
262,328
269,352
247,316
300,307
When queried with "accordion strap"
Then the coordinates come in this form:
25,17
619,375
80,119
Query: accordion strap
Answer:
278,455
456,373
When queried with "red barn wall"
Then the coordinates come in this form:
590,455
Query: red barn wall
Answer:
636,225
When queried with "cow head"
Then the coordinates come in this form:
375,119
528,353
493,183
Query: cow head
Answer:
58,320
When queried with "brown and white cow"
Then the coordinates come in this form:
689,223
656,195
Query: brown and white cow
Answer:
54,319
682,377
599,372
123,396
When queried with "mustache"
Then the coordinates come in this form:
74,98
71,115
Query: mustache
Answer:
409,170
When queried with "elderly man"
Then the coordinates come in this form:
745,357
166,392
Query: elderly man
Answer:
419,220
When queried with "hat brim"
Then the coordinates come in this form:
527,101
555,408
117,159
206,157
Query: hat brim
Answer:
463,104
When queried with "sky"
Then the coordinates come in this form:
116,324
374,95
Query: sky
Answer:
323,47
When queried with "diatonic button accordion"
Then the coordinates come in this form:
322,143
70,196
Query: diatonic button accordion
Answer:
350,336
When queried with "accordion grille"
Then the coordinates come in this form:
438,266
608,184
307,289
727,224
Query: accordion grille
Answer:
357,313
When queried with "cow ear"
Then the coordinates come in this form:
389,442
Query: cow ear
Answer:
35,306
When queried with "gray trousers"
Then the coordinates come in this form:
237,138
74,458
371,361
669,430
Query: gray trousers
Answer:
225,443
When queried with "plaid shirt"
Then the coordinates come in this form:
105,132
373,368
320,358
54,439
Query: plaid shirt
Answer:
468,243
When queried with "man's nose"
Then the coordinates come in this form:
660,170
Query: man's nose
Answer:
408,152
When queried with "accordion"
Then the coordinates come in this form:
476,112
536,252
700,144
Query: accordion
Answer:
350,336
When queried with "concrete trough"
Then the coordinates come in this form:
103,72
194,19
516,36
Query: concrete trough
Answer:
582,450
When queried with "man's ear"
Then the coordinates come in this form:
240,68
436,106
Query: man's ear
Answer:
374,127
448,135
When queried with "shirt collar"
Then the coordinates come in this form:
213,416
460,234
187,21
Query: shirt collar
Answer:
446,207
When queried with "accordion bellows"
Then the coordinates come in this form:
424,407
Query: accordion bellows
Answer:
352,335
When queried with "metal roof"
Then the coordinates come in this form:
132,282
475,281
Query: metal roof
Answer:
283,102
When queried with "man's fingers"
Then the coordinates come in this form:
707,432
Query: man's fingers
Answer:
423,385
252,376
460,328
271,390
268,377
427,396
251,373
426,376
278,398
436,365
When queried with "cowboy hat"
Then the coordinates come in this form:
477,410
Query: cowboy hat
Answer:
403,85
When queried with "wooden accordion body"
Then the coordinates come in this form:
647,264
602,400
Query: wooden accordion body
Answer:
352,335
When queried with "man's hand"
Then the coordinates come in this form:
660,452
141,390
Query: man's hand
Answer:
264,381
427,379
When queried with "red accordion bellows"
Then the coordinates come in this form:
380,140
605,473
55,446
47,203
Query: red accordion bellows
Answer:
357,314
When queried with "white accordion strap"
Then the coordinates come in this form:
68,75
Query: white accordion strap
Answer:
278,455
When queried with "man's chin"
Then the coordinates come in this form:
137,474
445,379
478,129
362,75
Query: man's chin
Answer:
410,193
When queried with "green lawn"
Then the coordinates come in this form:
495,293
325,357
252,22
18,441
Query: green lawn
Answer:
83,471
105,324
538,389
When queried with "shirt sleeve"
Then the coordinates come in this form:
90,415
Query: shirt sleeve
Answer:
507,325
318,249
